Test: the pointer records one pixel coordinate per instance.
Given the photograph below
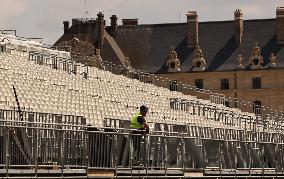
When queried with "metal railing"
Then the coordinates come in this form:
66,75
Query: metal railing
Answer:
42,141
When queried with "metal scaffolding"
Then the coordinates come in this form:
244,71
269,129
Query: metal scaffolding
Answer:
59,142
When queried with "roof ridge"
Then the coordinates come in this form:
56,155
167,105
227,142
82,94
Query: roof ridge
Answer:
202,22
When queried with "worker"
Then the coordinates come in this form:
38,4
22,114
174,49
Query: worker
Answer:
139,123
138,120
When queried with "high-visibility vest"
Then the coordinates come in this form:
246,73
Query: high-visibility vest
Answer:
134,123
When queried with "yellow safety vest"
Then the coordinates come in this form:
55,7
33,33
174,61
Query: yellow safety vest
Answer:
134,123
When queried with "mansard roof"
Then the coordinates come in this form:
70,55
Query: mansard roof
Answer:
147,46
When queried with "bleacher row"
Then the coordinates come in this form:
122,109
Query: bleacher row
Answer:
42,88
23,45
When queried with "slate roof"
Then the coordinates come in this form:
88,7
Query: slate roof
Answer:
87,32
83,31
147,46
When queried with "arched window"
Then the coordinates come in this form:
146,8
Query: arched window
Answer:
256,107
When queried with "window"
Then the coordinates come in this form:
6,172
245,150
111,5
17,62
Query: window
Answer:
225,84
255,61
227,104
256,83
173,85
199,83
172,64
256,107
198,64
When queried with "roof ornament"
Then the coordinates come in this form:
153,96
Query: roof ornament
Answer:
256,60
198,52
256,49
173,62
198,62
272,60
127,63
99,59
239,60
76,39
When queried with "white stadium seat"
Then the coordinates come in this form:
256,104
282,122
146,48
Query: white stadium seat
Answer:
42,88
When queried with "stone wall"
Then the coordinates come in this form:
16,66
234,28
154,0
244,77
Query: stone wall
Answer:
270,94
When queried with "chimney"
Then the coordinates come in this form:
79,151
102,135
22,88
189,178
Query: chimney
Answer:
66,26
280,24
100,32
239,26
113,25
192,29
130,22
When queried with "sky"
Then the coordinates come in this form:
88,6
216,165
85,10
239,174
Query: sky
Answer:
43,18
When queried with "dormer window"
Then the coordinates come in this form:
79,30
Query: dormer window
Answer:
198,62
256,60
173,62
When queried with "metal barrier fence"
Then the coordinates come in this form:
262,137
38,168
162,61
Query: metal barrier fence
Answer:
61,142
194,148
41,140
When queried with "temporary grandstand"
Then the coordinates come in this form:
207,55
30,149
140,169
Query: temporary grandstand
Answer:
62,119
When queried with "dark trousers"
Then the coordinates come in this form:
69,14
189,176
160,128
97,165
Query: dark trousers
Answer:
137,140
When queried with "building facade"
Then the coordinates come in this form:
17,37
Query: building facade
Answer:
242,59
261,87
